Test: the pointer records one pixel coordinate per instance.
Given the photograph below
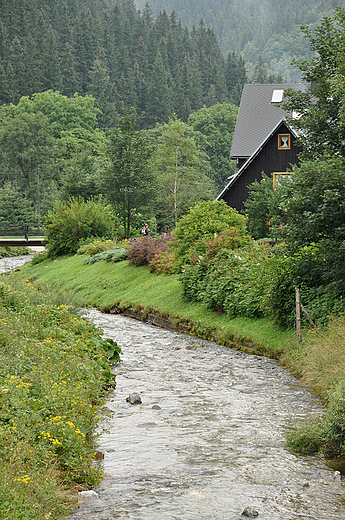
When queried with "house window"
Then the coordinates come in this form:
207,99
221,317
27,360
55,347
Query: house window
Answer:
277,176
283,141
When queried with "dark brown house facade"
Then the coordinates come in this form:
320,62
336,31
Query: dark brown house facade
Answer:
263,142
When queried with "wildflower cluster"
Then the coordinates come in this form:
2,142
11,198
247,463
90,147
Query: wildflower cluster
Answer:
53,378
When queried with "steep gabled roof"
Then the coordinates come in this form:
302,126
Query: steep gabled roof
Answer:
257,116
234,177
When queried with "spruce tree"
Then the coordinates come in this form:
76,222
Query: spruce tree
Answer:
159,102
103,91
260,71
68,73
85,49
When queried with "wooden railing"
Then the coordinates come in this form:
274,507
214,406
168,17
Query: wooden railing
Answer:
21,229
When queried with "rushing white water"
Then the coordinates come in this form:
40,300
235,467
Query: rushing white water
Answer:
8,264
208,439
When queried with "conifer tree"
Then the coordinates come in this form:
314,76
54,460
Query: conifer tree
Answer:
159,102
85,49
103,91
68,74
51,72
140,74
260,71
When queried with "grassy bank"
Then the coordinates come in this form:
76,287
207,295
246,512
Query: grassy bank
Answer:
106,285
54,375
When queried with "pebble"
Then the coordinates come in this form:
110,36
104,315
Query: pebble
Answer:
88,497
250,512
337,476
134,399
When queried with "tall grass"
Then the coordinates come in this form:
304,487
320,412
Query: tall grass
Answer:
53,377
320,362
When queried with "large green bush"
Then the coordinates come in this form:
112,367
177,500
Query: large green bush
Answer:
254,280
202,223
74,220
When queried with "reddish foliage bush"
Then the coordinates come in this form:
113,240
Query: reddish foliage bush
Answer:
144,249
231,238
164,262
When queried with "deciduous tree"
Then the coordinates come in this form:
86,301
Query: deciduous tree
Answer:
182,169
217,124
318,111
129,182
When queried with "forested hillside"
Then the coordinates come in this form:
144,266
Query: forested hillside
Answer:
109,49
269,28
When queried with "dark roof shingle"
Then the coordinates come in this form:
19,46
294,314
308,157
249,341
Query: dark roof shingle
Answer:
257,116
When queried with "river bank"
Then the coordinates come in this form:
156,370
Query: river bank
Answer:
319,361
120,287
54,375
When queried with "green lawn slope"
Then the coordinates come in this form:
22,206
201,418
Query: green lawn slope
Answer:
106,285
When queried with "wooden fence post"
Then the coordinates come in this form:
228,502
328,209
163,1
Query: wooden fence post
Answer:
299,308
298,317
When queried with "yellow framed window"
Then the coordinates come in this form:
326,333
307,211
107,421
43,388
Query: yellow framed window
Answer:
284,141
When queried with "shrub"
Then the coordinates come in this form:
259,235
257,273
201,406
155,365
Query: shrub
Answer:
192,277
113,255
203,223
252,281
323,301
40,257
8,251
74,220
228,239
163,262
144,249
94,246
261,205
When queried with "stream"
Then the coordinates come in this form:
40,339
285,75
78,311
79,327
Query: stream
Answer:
207,441
10,263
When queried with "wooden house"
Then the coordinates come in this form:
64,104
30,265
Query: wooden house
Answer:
263,141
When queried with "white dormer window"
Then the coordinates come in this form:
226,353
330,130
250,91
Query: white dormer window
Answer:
277,96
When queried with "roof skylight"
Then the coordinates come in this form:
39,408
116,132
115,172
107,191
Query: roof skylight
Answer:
277,96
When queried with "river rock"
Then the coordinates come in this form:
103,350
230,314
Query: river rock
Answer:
88,497
134,399
249,512
99,455
337,476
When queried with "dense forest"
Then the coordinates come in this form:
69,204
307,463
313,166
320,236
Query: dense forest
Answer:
254,28
116,53
73,71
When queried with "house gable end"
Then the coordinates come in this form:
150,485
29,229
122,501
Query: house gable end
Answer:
268,158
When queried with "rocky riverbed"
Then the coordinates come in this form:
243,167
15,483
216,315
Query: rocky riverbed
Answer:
9,264
207,440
